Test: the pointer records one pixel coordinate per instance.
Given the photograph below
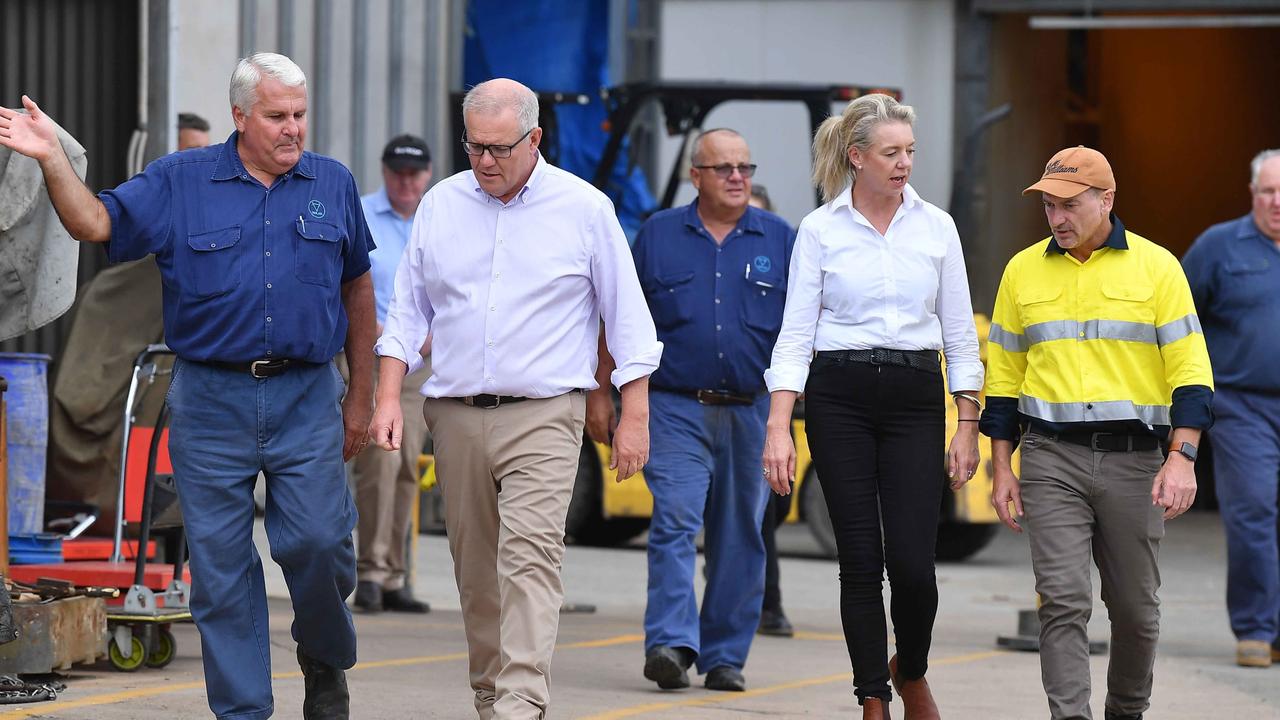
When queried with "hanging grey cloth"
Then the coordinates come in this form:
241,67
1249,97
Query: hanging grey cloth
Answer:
37,257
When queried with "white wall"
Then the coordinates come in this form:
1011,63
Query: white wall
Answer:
907,44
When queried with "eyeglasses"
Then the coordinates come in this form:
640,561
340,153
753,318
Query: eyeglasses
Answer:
497,151
724,171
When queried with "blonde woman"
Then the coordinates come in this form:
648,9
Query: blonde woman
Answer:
877,289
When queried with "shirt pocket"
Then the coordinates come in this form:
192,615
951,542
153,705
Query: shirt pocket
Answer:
317,246
764,296
1038,304
1130,302
671,299
1246,282
211,267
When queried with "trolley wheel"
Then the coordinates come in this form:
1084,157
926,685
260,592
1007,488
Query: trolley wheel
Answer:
130,662
164,651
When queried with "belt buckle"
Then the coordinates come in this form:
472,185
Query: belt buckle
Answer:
1096,437
253,368
700,395
879,356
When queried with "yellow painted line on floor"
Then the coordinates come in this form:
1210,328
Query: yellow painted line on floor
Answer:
721,698
138,693
805,635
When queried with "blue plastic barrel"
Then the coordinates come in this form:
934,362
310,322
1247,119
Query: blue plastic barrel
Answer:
27,404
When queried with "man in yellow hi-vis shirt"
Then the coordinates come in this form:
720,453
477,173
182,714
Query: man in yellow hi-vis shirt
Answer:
1097,363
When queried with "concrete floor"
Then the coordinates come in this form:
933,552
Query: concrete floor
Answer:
415,667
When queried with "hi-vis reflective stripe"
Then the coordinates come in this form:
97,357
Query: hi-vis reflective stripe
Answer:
1122,330
1067,412
1011,342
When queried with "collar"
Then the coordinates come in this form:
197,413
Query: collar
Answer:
750,220
530,185
380,203
910,198
1115,240
1249,229
230,167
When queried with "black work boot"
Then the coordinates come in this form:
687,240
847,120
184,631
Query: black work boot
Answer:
402,600
326,690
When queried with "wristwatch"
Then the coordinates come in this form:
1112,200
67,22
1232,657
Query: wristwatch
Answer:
1187,450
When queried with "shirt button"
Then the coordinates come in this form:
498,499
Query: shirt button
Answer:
717,301
717,274
763,292
492,308
721,355
213,245
268,222
1089,406
268,318
1082,334
268,352
490,343
717,328
268,286
268,253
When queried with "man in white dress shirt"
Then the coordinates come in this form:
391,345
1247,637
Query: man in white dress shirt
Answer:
512,267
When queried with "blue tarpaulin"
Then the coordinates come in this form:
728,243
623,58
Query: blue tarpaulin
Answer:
558,46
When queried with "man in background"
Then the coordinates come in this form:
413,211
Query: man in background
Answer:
387,482
193,131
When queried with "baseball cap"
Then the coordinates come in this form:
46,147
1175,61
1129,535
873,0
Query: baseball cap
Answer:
1074,170
407,152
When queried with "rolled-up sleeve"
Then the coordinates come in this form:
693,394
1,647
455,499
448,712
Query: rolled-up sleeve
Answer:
630,334
410,314
793,351
955,312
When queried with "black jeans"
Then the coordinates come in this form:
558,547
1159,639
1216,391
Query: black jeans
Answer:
877,436
775,511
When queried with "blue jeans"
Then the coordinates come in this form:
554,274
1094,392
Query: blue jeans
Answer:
225,427
705,469
1246,465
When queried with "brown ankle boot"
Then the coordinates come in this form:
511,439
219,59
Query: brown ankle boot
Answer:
875,709
917,701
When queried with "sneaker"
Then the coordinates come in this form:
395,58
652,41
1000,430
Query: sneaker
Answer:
1253,653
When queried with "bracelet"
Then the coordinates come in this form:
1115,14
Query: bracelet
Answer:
966,420
968,397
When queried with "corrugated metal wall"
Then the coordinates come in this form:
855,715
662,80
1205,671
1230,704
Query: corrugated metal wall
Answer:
79,60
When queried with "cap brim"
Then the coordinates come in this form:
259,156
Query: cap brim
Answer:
1056,187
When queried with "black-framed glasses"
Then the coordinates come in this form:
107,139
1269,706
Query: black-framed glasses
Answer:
497,151
724,171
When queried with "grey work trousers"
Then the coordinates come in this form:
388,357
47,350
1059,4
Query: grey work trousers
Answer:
1081,502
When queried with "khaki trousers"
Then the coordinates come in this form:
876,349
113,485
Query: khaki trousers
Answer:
1081,503
385,486
507,475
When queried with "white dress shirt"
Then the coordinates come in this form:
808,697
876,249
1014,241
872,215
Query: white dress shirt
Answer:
851,288
513,294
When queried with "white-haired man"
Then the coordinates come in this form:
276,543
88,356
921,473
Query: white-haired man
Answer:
511,268
264,253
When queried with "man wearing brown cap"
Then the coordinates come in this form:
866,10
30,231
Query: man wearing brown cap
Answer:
1097,364
386,482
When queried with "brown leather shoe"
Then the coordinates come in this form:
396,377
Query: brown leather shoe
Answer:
875,709
917,701
1254,653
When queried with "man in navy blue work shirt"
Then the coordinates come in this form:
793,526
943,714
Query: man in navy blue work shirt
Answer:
1234,271
264,255
714,274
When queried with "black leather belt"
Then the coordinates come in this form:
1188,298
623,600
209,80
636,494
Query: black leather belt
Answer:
1111,442
926,360
714,397
259,368
488,402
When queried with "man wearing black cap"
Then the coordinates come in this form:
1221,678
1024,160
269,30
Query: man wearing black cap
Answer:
387,481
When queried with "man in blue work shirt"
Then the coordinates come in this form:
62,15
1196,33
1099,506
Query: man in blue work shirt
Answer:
264,255
386,482
714,274
1234,271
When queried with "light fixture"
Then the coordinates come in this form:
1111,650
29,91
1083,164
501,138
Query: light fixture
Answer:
1150,22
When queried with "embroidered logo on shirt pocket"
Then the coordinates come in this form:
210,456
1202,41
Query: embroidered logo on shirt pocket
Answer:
211,267
316,251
